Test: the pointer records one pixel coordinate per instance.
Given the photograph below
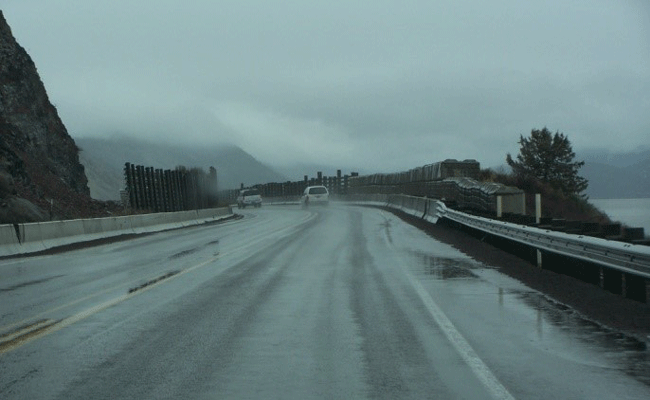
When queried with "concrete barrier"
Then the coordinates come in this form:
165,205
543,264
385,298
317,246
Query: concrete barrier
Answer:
45,235
32,238
415,206
433,211
213,214
55,233
162,221
190,218
93,228
114,226
9,243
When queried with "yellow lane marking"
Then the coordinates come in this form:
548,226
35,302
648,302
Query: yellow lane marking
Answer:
25,329
113,288
19,338
46,327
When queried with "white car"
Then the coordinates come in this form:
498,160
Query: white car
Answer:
314,195
249,197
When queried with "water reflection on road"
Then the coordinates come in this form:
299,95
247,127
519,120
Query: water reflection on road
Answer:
553,322
627,353
447,268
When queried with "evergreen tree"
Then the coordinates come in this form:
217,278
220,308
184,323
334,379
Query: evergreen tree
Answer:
549,158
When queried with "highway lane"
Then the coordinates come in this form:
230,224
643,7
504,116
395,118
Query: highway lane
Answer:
342,302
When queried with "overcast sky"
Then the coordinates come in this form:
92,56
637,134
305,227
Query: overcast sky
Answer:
372,85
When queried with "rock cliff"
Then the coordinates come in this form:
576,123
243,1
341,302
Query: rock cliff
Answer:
39,161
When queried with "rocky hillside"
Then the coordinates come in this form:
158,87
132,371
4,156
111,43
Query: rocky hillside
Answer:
40,173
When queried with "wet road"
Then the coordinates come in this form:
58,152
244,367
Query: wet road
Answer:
342,302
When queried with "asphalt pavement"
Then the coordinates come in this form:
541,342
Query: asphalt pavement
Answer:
333,302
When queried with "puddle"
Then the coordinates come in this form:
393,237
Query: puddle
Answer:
628,353
559,328
446,268
192,251
154,281
183,253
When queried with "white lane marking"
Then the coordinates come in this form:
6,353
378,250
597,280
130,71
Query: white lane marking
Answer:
6,346
462,346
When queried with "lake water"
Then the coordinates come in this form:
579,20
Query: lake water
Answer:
632,212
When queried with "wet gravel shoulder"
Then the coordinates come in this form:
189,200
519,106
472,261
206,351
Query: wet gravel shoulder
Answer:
627,316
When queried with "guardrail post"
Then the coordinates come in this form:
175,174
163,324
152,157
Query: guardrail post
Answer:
130,184
647,291
146,188
139,170
623,285
602,277
499,206
169,191
153,200
176,191
161,189
339,182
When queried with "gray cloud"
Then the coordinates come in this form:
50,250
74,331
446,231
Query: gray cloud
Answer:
374,85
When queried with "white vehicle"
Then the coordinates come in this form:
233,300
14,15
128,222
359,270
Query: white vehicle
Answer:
315,195
249,197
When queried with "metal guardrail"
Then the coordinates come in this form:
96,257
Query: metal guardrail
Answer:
625,257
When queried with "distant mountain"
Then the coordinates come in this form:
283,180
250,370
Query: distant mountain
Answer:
617,175
621,160
104,159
